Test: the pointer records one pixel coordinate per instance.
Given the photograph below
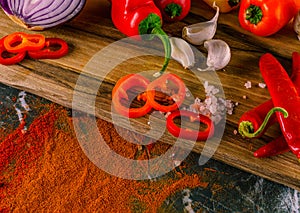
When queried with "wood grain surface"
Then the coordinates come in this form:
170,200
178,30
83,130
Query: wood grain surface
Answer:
93,30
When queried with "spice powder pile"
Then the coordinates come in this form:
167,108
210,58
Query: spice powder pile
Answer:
46,169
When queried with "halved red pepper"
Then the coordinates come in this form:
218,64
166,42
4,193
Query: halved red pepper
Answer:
161,85
54,48
7,58
21,42
120,92
264,18
173,10
187,133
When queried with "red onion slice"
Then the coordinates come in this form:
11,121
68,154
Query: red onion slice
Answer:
41,14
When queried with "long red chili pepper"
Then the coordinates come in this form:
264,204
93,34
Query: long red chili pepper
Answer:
138,17
264,18
284,95
279,145
173,10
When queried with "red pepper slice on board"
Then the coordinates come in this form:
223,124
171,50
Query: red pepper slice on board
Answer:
186,133
173,10
264,18
120,92
140,17
21,42
7,58
54,48
284,95
161,83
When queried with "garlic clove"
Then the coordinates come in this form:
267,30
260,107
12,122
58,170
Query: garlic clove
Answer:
198,33
297,24
219,54
182,52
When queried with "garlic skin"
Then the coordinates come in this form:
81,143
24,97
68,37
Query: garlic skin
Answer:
297,24
198,33
182,52
219,54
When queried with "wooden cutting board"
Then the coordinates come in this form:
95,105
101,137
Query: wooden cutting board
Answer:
93,30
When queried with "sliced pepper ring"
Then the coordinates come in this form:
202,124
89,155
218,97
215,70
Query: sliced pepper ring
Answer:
186,133
120,92
20,42
54,48
7,58
161,83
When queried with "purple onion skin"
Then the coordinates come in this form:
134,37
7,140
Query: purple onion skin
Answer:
5,7
41,14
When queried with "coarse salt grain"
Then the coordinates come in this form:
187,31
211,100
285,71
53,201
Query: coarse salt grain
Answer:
262,85
248,84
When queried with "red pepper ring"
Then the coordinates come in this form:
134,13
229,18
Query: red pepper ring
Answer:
120,92
7,58
54,48
21,42
186,133
161,83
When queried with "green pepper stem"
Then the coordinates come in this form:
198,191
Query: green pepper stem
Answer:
246,128
173,10
254,14
158,31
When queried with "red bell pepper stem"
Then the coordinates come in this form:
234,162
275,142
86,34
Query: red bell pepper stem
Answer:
120,92
264,18
285,95
54,48
21,42
7,58
275,147
186,133
161,83
138,17
173,10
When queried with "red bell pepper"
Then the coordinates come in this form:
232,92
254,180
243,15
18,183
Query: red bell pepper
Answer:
7,58
284,95
161,84
138,17
264,18
173,10
120,92
54,48
21,42
186,133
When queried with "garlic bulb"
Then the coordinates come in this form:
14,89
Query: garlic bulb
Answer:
219,54
198,33
182,52
297,25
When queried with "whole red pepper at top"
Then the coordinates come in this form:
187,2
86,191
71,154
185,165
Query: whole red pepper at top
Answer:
284,95
173,10
138,17
266,17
